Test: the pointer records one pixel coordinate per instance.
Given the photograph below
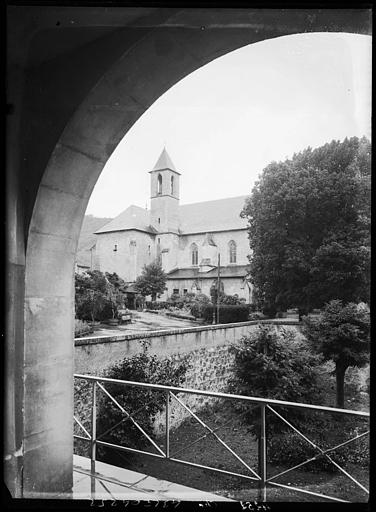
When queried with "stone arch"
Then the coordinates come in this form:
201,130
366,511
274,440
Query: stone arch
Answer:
163,56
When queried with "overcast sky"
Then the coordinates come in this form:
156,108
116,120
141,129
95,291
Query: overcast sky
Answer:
226,121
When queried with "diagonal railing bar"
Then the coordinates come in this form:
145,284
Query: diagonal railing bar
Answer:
125,419
200,438
215,435
132,419
321,451
82,438
129,449
216,470
83,428
304,491
107,490
318,456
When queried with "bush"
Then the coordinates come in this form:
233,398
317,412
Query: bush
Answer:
81,328
141,367
257,315
200,301
230,300
156,305
271,363
227,313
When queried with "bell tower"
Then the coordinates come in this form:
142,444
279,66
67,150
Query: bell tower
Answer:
164,188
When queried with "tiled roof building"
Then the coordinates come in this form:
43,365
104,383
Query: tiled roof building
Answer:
187,238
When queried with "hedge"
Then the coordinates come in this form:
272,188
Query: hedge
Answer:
227,313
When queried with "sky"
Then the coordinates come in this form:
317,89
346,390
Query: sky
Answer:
225,122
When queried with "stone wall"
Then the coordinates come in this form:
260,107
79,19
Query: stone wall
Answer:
206,349
94,355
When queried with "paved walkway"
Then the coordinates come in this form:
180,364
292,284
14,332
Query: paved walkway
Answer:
143,321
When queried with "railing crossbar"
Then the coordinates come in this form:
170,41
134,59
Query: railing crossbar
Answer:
81,425
76,436
321,451
217,470
132,419
124,419
215,435
200,439
304,491
128,449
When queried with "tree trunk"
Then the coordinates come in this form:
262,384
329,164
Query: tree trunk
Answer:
340,384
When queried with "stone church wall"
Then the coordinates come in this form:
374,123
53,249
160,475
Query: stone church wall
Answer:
134,249
221,239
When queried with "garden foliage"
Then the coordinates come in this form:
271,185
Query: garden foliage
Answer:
143,404
227,313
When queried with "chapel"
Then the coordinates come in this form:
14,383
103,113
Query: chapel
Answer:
186,238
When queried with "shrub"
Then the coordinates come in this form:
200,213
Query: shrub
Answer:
227,313
197,305
141,367
156,305
81,328
257,315
230,300
271,363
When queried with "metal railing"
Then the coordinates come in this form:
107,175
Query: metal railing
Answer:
170,392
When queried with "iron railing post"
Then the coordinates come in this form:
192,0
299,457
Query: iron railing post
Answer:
93,444
167,424
262,454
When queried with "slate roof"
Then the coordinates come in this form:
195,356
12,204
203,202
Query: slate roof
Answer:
193,272
164,162
209,216
134,217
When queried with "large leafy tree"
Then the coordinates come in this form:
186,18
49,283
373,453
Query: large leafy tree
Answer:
309,227
341,334
152,280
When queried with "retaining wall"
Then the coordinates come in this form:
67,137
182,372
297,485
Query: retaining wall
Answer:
206,349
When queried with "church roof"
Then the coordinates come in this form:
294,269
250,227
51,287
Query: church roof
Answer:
205,217
208,216
164,162
193,272
134,217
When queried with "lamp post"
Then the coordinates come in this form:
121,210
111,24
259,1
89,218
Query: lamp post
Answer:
218,285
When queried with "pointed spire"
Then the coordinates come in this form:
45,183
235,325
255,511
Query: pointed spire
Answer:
164,162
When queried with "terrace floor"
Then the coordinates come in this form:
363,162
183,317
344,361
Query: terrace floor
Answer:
114,483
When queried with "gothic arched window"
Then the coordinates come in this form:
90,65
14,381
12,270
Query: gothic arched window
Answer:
194,254
172,185
232,251
159,190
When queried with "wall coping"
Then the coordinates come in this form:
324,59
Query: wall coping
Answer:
94,340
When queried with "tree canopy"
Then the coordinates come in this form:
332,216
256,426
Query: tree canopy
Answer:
152,280
309,227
